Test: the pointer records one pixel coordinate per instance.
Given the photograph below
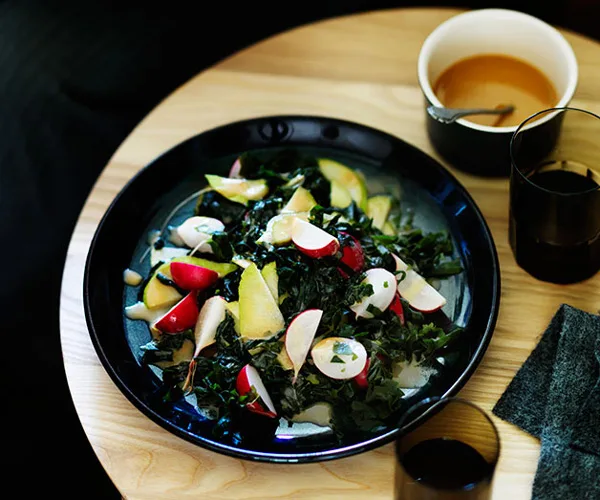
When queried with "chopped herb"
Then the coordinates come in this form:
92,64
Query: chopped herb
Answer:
337,359
342,348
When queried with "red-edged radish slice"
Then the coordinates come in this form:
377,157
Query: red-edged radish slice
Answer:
352,254
361,379
249,379
192,277
181,316
236,169
384,289
415,289
196,231
397,309
339,357
210,317
312,240
300,335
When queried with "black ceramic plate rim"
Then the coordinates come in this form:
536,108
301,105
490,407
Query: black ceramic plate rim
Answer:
304,457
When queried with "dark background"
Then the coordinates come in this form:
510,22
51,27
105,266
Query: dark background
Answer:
75,78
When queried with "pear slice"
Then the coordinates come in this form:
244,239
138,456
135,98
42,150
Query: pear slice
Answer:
238,190
301,201
378,209
347,178
260,317
269,274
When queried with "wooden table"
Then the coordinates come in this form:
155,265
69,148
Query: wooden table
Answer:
361,68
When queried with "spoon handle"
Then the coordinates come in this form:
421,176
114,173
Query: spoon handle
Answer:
449,115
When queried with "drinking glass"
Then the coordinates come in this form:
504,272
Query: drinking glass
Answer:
449,452
554,228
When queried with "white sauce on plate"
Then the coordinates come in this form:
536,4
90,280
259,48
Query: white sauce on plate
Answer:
139,311
132,278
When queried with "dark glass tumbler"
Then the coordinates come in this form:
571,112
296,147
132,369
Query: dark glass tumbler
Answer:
554,213
449,452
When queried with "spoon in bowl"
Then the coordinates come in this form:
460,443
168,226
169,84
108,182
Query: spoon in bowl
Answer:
450,115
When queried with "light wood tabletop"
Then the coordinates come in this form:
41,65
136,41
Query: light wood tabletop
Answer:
361,68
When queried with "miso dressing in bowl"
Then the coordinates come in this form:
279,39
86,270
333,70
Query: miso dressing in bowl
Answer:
490,80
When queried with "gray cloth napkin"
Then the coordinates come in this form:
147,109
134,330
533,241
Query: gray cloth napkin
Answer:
555,396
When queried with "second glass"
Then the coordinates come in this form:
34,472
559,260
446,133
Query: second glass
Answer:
452,455
555,197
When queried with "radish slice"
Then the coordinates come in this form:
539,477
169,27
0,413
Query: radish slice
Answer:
397,309
361,380
210,317
312,240
196,231
249,379
300,335
384,289
339,358
192,277
236,169
415,289
205,331
181,316
353,255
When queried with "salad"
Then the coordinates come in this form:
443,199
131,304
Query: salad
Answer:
292,295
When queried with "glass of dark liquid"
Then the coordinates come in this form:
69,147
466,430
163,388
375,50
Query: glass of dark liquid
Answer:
449,451
554,227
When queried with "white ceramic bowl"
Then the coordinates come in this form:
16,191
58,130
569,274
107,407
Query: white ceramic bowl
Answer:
491,31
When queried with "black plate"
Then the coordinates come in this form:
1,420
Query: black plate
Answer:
440,202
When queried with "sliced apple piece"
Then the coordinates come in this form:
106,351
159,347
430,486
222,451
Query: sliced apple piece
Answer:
279,229
388,229
351,180
234,310
240,261
284,360
181,316
352,254
260,317
384,289
378,209
339,358
415,289
299,337
339,196
313,241
192,277
301,201
249,380
238,190
156,293
269,274
319,414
